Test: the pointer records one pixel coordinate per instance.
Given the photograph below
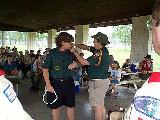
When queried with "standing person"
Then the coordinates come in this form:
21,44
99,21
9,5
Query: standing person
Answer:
57,72
97,71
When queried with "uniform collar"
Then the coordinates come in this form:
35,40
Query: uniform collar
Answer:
62,52
2,72
155,77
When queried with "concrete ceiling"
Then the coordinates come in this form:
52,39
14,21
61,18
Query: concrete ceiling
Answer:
40,15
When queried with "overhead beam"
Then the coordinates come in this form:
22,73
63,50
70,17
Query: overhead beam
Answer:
5,27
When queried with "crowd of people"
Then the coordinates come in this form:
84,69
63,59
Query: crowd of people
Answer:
143,69
60,65
57,66
27,65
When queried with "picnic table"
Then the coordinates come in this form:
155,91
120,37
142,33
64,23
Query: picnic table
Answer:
15,80
134,79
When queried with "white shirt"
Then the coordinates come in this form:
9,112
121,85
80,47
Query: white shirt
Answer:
115,73
10,106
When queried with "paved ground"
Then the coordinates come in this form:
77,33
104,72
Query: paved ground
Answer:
32,103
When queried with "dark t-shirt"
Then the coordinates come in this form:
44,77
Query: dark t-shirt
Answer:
57,62
100,71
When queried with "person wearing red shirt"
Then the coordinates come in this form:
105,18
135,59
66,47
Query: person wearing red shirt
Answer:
146,67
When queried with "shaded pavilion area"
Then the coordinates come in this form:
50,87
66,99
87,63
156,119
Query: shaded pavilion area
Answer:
33,104
45,15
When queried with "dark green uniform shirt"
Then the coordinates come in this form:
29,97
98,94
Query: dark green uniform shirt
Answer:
57,62
100,71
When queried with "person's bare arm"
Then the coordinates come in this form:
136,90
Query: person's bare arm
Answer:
73,65
110,78
81,60
47,81
82,46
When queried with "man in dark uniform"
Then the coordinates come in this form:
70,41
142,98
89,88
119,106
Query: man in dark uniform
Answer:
57,72
97,71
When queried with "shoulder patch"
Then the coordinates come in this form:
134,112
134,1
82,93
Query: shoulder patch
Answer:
10,93
147,105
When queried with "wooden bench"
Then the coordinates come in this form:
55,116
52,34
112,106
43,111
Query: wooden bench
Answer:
15,80
84,80
134,80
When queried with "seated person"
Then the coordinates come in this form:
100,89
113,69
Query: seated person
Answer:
146,67
11,70
133,68
126,65
111,60
115,77
10,66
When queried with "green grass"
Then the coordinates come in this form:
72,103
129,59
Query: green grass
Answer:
19,47
121,54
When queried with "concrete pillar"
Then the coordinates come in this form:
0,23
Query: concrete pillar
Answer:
4,33
150,45
81,35
31,41
51,38
141,39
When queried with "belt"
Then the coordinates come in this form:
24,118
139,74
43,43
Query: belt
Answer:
96,79
61,79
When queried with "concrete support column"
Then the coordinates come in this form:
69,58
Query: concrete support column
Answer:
31,41
4,33
141,39
150,45
81,35
51,38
